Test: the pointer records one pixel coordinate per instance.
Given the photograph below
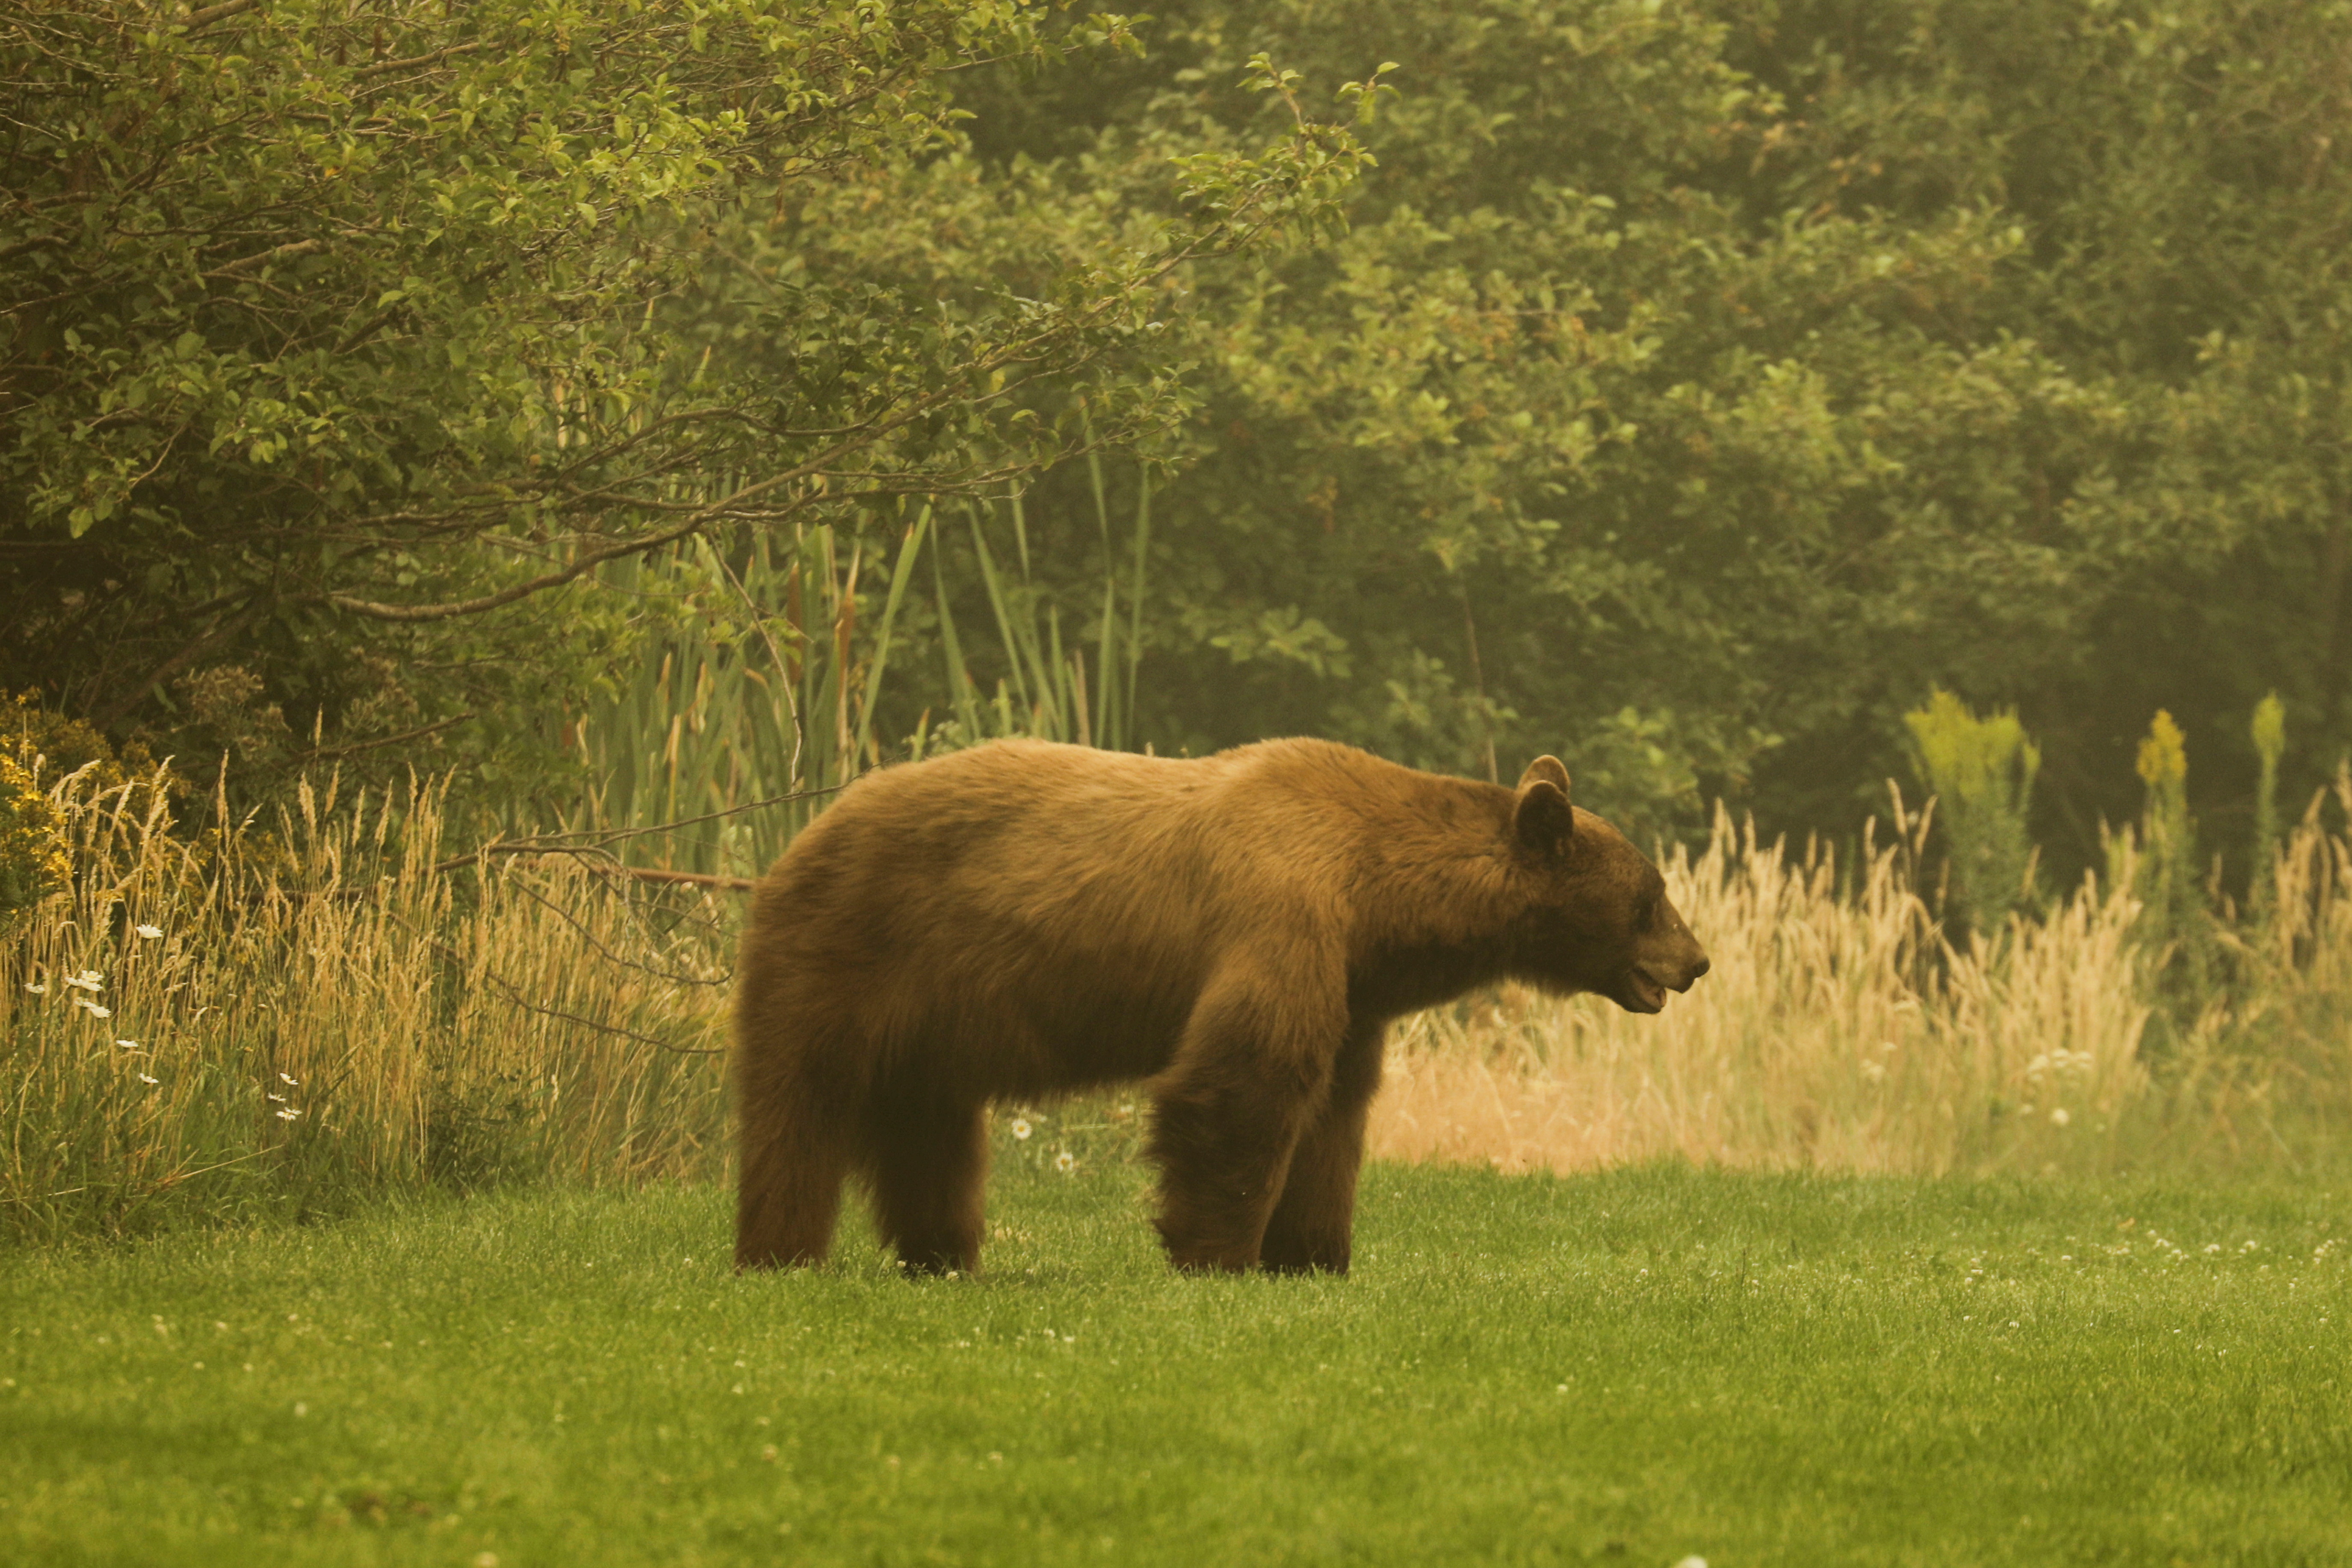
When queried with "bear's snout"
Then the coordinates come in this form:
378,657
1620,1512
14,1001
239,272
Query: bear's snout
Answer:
1675,977
1669,960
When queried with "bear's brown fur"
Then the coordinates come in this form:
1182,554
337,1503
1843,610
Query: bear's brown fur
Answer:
1024,918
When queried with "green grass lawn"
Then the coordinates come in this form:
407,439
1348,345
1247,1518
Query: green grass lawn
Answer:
1632,1368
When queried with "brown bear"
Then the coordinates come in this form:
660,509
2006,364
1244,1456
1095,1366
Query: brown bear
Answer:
1025,919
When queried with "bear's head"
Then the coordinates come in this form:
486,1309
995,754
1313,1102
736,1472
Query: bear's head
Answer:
1596,916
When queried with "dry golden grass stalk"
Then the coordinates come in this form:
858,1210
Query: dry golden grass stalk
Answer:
300,1017
1833,1031
311,1014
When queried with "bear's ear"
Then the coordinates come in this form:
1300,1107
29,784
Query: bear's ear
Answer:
1542,818
1546,768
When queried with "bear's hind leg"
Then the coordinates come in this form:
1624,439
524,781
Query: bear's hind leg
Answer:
788,1191
1313,1224
929,1165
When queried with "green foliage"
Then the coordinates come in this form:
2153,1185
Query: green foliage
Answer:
2180,529
349,346
1748,370
1632,1368
1685,390
33,859
1980,772
1045,690
2268,731
2177,919
2166,831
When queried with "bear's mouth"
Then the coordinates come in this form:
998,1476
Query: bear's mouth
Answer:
1640,994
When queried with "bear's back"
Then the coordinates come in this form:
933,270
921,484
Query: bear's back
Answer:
1021,831
1030,852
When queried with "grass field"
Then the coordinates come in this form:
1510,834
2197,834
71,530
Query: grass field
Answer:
1633,1367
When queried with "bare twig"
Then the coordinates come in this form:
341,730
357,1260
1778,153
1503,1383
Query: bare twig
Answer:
416,734
516,998
198,20
560,912
381,67
578,569
686,879
262,258
592,839
218,637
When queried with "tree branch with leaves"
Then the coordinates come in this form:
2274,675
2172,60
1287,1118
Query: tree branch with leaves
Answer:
377,323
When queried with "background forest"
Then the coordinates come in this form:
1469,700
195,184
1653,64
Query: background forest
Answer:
1689,389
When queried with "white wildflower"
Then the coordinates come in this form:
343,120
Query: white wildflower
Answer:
289,1114
94,1010
144,1078
2059,1117
295,1082
1020,1128
36,988
1065,1162
88,980
148,933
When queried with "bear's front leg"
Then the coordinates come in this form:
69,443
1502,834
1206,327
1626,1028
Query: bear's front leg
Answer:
1245,1080
1313,1224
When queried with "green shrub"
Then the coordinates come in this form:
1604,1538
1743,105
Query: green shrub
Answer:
2269,732
32,843
1980,772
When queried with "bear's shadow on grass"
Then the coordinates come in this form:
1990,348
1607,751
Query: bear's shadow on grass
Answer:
1047,1232
1050,1235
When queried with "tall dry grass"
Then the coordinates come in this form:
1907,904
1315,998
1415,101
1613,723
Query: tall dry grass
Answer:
306,1013
309,1014
1839,1029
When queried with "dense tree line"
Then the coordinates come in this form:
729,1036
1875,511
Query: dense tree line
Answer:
1735,374
1694,389
347,342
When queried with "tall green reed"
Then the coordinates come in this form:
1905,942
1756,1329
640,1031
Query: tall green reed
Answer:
767,675
1046,690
